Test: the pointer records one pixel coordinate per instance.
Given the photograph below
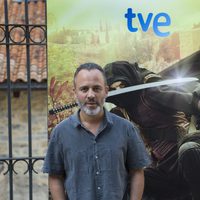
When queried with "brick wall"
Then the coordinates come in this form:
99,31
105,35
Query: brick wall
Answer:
20,143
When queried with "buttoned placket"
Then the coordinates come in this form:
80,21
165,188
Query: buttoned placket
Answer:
98,180
97,170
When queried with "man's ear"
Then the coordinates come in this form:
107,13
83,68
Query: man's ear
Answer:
74,91
106,89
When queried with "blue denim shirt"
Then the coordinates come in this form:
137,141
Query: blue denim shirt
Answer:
95,167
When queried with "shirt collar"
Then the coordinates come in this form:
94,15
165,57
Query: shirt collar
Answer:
106,121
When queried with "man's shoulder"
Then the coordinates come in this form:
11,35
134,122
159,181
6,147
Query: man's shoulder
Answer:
123,126
117,119
66,122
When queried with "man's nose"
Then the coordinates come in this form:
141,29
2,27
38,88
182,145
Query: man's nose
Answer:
90,93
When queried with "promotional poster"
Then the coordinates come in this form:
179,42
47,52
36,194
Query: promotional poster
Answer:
138,44
155,34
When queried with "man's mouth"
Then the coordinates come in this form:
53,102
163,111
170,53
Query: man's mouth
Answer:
91,103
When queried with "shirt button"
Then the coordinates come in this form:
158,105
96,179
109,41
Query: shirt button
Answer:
96,157
98,188
97,172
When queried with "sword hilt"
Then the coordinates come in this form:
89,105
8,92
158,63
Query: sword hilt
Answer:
62,108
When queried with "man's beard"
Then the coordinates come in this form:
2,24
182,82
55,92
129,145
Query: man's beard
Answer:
88,111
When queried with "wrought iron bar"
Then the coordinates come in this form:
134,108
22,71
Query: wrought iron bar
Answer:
29,161
27,34
27,31
9,98
23,86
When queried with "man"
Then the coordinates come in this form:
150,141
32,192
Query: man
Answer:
93,154
162,116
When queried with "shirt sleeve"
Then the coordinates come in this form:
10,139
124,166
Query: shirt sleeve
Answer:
53,162
137,155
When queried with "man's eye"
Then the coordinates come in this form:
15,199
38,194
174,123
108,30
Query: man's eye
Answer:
97,89
84,89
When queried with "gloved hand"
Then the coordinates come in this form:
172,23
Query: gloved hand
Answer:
196,106
198,123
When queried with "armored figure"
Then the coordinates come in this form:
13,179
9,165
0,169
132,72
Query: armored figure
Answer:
163,116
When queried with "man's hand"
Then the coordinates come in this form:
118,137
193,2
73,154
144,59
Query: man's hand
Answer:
137,184
197,119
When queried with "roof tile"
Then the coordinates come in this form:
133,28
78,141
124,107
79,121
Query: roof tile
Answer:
18,52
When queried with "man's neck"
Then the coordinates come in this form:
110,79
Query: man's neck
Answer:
91,118
92,122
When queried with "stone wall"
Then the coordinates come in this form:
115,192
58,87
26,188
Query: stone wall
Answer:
3,187
20,144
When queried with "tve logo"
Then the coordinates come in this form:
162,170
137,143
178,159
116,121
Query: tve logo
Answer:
157,23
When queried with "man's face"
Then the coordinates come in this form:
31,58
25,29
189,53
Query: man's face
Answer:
90,91
117,85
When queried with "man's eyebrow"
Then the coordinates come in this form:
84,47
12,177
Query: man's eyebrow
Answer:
97,86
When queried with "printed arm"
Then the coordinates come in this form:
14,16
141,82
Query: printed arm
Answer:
173,97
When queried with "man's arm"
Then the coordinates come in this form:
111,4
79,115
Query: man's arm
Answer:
56,184
136,184
179,98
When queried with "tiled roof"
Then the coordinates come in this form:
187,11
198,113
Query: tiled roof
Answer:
18,52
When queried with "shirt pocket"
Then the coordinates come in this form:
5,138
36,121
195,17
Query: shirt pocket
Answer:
104,159
80,161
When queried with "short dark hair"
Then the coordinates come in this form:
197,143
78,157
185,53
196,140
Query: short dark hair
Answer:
89,66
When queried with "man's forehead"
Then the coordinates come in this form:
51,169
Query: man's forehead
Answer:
85,72
90,75
87,77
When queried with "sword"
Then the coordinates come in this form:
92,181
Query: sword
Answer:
131,89
150,85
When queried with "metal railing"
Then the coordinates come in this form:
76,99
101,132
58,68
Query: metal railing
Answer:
27,40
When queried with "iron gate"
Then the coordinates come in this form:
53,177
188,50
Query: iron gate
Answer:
8,40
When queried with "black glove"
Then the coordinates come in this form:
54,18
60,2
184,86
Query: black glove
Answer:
196,106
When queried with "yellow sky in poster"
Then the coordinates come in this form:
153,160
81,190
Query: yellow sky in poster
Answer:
78,14
96,30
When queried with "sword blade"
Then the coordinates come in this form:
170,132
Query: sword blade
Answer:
150,85
130,89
